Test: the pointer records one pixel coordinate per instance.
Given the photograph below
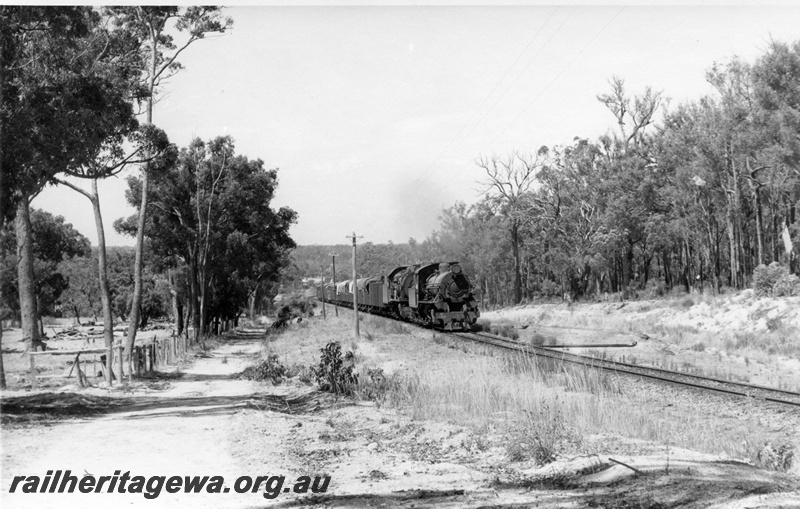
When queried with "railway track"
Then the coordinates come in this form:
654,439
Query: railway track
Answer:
739,389
733,388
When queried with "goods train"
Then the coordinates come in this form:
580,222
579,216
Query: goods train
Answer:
438,295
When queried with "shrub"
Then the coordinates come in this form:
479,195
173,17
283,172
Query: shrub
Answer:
787,286
539,339
774,280
269,369
539,437
773,324
776,457
335,373
375,386
655,288
296,308
303,373
550,288
678,291
507,331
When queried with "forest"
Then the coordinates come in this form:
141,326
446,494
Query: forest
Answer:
698,196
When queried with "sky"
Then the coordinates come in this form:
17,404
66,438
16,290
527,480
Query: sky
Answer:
375,114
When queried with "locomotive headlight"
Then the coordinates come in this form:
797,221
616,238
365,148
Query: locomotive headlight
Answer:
455,269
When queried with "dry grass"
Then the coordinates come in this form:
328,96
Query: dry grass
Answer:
752,339
546,409
538,409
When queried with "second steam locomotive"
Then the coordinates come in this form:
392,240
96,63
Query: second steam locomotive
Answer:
437,295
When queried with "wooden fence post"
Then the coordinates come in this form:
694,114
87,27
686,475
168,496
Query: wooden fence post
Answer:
119,363
77,366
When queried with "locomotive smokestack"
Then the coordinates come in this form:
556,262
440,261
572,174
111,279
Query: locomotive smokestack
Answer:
444,267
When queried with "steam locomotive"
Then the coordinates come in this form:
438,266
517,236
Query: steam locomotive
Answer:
437,295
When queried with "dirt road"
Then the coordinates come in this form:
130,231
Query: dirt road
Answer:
181,431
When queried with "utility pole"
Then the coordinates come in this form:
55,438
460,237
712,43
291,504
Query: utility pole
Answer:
355,284
322,288
333,257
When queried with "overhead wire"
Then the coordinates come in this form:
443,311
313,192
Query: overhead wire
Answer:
496,86
522,72
530,103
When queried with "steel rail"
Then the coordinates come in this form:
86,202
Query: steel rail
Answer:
615,366
630,369
699,377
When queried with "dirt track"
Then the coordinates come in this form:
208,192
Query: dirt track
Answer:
207,423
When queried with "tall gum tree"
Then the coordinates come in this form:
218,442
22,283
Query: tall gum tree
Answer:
160,51
212,211
626,160
62,99
149,144
512,177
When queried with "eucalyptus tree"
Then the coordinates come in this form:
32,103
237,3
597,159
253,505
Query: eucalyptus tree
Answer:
776,82
148,144
627,189
565,219
53,242
211,210
160,51
510,178
66,88
82,294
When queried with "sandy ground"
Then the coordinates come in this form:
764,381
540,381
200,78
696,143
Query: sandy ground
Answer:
209,423
696,334
180,431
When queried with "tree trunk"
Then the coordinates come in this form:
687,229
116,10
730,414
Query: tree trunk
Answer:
203,311
137,267
27,284
105,291
195,291
135,316
627,262
759,224
177,303
178,310
515,252
2,368
2,215
732,247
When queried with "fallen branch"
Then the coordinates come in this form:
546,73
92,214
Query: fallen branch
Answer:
640,472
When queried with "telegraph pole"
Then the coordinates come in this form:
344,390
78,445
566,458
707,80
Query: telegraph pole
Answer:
355,284
333,257
322,288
